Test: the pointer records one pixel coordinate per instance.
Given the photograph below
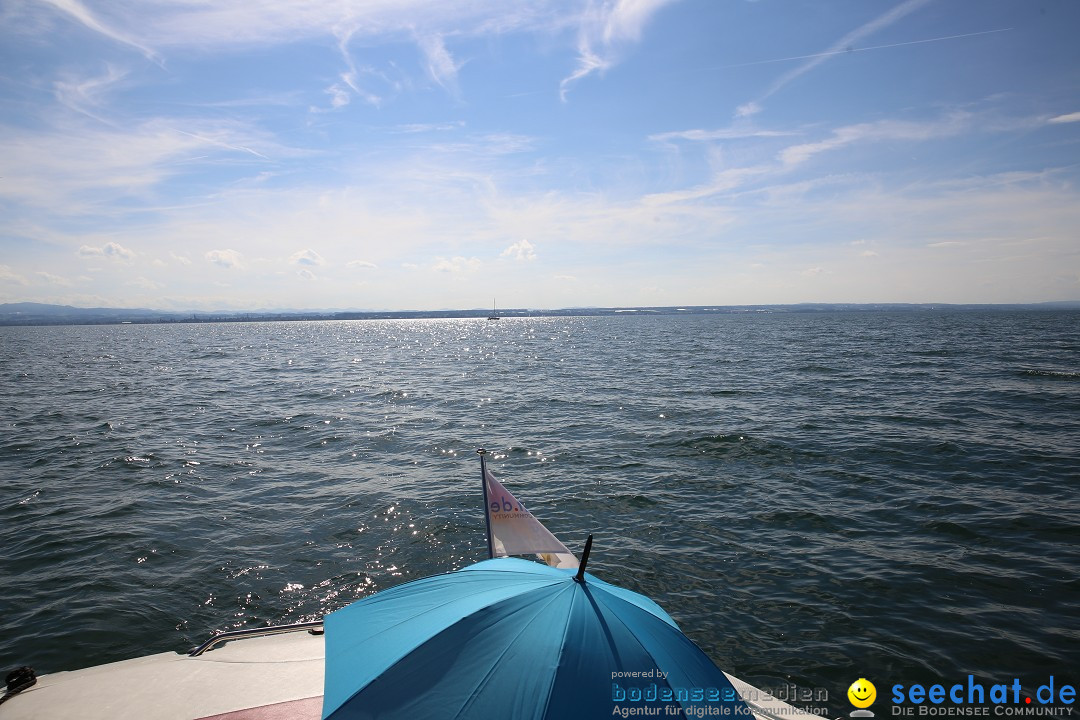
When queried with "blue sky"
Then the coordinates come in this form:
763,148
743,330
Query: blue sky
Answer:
423,154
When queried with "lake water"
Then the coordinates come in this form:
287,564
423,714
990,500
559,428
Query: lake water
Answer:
813,497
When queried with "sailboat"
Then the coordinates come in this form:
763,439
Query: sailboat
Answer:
494,315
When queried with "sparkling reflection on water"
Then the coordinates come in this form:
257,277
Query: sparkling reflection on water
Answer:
814,498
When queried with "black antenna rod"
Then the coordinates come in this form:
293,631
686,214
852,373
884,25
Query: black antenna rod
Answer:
487,513
580,577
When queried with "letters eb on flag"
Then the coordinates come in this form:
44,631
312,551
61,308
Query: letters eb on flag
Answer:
515,531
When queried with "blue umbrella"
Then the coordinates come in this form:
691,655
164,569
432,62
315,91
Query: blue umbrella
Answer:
513,639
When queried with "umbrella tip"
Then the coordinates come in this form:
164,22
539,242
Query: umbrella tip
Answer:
580,577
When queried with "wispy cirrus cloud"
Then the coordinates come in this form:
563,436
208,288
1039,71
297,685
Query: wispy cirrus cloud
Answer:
409,128
440,64
847,50
1068,118
605,29
82,14
359,150
352,78
221,140
949,125
86,95
857,35
729,133
70,165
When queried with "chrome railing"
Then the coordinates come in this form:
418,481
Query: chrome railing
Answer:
257,632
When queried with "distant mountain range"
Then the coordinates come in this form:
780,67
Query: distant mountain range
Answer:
28,313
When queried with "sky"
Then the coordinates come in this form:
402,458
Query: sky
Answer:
425,154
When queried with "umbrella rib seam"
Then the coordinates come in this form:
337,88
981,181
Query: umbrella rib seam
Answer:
633,634
426,611
412,650
494,664
645,649
562,649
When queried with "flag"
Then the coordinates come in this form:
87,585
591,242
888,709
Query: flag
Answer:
516,531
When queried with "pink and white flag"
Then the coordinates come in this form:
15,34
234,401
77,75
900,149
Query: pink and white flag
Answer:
516,531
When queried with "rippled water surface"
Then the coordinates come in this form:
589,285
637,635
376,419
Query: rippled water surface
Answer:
813,497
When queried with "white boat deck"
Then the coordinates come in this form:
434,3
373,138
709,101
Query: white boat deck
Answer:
261,678
279,677
766,707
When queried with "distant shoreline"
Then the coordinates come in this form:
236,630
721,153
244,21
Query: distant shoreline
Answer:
30,314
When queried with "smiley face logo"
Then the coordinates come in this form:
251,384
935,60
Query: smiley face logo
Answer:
862,693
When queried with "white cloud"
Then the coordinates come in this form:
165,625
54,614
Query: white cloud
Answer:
361,264
855,36
144,284
731,133
180,259
73,167
950,125
85,95
222,142
721,182
9,276
225,258
811,272
339,97
456,264
428,127
566,278
185,23
748,109
305,274
82,14
440,64
523,250
1070,118
111,250
54,279
588,63
351,77
604,31
166,24
488,145
306,257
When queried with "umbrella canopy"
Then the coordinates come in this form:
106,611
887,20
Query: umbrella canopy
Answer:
509,638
